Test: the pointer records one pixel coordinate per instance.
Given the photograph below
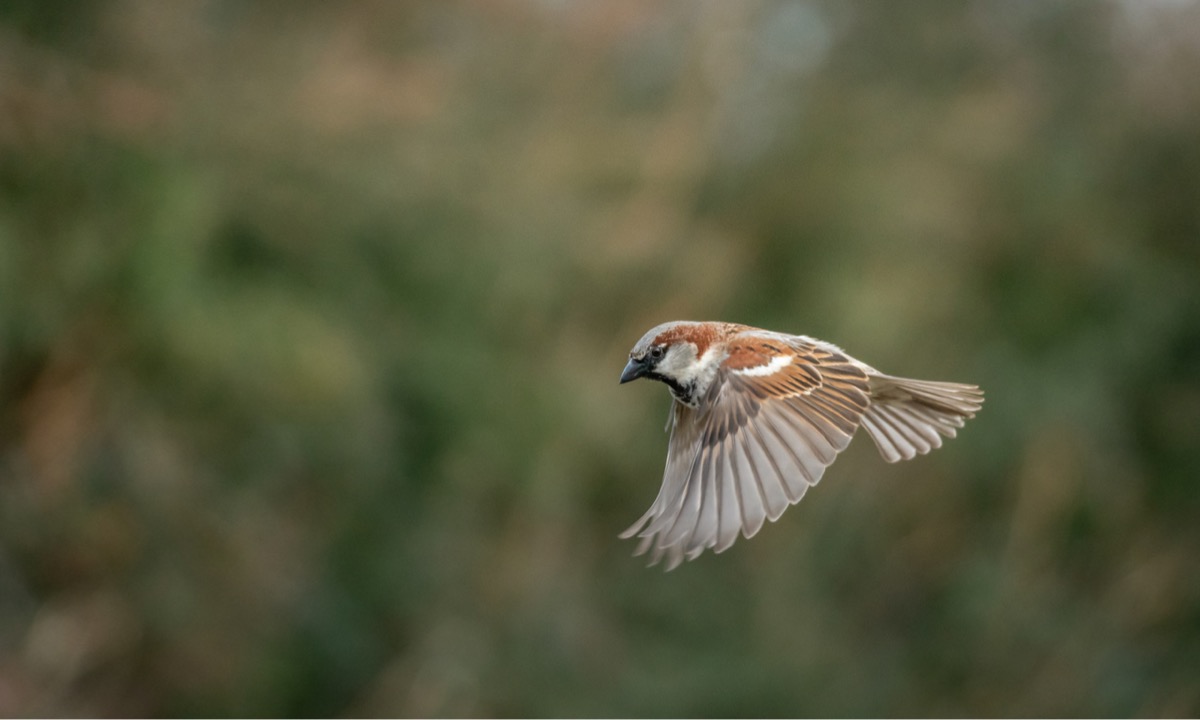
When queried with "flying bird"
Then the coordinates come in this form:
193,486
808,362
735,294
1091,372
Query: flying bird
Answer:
757,416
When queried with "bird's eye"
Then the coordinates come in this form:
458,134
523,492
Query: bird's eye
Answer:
657,352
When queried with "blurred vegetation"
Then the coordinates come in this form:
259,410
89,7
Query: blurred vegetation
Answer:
311,316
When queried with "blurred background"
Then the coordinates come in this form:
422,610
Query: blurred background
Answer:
311,317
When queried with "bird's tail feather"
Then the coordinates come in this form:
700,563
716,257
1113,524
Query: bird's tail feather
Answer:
907,417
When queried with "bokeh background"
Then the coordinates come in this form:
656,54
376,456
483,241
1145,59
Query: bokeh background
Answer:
311,317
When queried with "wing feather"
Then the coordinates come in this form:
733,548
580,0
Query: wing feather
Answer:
809,449
730,515
919,411
707,524
778,441
792,484
903,448
884,444
822,440
685,520
838,415
922,428
915,439
749,497
775,500
681,456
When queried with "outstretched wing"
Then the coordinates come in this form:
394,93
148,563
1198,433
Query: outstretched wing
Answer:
777,415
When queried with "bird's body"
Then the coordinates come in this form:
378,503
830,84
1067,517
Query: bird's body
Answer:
757,417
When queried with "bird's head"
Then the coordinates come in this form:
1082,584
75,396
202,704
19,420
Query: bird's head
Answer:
679,354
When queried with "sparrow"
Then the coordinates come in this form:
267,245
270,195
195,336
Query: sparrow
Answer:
756,418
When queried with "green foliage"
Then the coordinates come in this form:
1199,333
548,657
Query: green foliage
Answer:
311,318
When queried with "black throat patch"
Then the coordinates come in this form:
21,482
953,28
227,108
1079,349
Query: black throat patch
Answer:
685,394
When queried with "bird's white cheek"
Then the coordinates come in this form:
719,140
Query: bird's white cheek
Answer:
703,371
678,363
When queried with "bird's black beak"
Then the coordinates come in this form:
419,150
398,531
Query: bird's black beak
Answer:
634,369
